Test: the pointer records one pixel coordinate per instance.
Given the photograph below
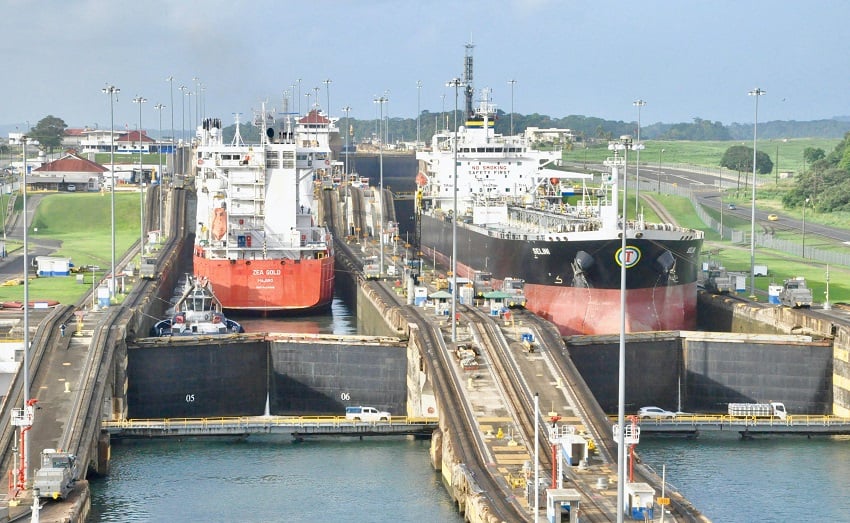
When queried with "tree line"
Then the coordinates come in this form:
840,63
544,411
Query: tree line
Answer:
825,185
50,129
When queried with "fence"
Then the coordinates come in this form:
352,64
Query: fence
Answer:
764,240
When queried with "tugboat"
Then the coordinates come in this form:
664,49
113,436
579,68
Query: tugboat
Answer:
197,312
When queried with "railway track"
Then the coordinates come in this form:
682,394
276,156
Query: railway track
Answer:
520,397
597,421
83,421
469,449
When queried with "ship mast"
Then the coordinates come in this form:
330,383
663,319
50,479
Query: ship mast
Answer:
467,79
237,136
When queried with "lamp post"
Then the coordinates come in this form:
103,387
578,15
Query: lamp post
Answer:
197,100
112,91
347,110
381,101
139,100
183,89
299,96
443,96
457,84
623,144
755,92
170,80
638,146
805,204
24,140
307,95
659,169
328,93
160,107
418,109
191,123
621,378
387,125
513,83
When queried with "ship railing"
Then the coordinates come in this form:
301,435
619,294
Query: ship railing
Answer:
310,238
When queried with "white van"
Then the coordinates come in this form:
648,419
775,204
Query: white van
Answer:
366,414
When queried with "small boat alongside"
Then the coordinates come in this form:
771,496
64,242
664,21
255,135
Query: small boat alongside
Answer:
196,312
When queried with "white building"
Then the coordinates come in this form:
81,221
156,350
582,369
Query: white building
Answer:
551,135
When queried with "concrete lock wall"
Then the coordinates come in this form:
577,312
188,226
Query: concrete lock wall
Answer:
716,312
702,371
757,370
652,365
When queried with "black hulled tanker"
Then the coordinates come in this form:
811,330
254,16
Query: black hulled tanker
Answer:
520,217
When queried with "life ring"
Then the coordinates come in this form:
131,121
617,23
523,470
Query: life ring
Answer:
327,162
200,162
430,410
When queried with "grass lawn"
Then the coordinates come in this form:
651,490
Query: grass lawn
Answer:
82,222
736,257
707,153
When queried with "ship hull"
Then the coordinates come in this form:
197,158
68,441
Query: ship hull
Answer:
276,285
576,284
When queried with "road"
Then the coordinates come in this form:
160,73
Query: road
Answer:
12,266
706,187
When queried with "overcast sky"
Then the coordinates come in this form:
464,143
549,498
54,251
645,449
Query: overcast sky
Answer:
685,58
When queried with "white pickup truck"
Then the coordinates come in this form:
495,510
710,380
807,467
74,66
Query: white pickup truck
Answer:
366,414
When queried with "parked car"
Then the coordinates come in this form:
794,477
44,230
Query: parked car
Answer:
366,414
772,217
655,413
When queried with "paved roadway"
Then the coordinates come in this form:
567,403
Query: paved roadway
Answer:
12,265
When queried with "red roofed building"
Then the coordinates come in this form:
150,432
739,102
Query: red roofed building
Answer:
131,141
68,173
73,138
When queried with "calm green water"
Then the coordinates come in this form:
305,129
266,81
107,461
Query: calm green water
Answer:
772,479
778,478
271,479
264,480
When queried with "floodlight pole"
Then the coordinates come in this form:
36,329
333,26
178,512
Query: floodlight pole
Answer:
160,107
26,386
139,100
112,90
755,92
638,145
456,83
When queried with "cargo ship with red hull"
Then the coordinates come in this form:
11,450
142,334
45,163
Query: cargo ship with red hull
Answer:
518,216
257,238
